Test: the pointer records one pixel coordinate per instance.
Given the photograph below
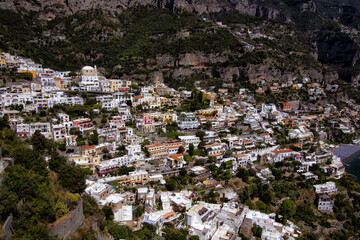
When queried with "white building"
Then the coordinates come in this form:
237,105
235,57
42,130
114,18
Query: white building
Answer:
326,188
188,121
325,203
190,140
124,215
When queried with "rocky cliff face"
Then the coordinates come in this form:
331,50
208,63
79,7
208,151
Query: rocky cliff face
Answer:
49,9
338,50
185,65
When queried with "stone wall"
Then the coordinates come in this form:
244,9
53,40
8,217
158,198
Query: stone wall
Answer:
67,225
7,228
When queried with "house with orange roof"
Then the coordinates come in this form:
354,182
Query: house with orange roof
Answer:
248,144
61,84
164,149
176,160
242,159
202,119
83,124
216,150
88,150
289,122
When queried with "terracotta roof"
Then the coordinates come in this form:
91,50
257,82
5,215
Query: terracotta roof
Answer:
168,214
153,145
216,154
283,151
88,147
174,146
177,156
212,145
239,155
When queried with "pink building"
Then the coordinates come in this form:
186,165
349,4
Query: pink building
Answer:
147,120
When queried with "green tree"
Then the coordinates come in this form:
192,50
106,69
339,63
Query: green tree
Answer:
104,119
93,139
4,123
257,231
200,134
30,159
183,172
243,174
56,161
171,184
194,238
139,211
109,215
123,170
134,86
176,234
181,149
208,125
8,201
73,177
191,149
39,142
287,209
120,232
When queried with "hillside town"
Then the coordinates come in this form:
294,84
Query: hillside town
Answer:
187,157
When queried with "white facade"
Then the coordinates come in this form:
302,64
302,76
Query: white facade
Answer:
190,140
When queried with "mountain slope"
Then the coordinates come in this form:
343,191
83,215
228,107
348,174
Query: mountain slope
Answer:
345,11
168,39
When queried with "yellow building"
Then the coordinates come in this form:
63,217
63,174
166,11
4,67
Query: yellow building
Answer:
167,118
61,84
85,161
26,89
169,101
2,62
33,73
135,177
115,85
126,83
208,112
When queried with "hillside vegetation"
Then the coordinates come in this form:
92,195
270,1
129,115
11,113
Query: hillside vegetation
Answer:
36,192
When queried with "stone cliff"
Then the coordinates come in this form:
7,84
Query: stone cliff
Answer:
50,9
338,50
185,65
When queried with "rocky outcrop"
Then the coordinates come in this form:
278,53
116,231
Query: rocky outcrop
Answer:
185,65
309,6
49,9
272,13
7,228
194,59
355,80
100,235
338,50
